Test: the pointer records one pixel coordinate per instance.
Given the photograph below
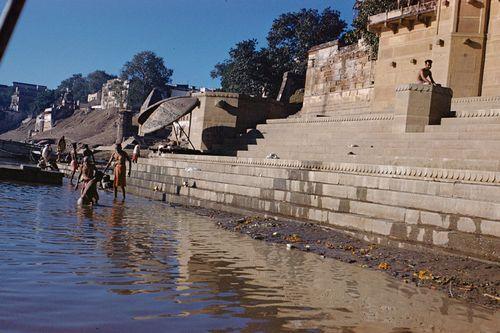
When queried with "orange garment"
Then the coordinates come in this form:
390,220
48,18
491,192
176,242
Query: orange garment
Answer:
120,172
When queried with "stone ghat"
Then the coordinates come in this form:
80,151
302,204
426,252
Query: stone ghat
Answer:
423,207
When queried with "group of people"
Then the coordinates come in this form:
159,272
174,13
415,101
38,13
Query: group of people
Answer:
89,175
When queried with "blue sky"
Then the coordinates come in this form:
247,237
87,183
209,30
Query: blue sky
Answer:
56,38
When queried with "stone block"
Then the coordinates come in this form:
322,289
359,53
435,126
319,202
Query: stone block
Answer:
490,228
418,105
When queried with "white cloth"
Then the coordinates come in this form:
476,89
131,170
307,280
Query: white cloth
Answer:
137,150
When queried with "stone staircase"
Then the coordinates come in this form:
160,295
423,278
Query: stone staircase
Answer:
468,141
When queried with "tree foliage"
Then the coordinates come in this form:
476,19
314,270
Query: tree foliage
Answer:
43,100
364,9
96,79
145,71
250,70
246,69
5,97
292,35
81,85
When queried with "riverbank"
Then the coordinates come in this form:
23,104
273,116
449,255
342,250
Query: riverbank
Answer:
474,281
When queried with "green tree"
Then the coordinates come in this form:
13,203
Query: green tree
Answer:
78,86
5,97
43,100
364,9
245,70
292,35
248,70
145,71
96,79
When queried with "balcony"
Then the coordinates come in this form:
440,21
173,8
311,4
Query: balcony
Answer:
405,13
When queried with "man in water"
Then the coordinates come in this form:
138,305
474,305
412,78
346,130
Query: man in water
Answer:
90,195
74,161
88,153
119,157
86,173
425,74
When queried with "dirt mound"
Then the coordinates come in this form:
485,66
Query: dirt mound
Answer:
94,127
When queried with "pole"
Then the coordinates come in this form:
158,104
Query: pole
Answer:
187,136
8,21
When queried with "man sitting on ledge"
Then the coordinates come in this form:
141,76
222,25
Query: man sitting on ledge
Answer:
425,74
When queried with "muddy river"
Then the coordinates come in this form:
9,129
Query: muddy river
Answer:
142,266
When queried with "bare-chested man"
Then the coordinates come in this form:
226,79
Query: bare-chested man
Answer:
425,74
119,157
74,161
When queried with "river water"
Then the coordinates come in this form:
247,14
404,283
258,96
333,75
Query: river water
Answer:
143,266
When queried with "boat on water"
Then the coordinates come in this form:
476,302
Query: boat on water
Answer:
19,150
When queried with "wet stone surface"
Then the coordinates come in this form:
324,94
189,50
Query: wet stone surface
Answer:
141,266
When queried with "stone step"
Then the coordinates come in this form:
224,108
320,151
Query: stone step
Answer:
380,143
354,215
426,162
470,120
456,206
465,127
490,152
257,175
344,127
294,133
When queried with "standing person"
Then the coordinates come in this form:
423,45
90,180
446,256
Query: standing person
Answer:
119,157
425,74
61,147
136,154
46,152
88,153
74,161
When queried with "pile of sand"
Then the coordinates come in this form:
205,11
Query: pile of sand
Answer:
97,127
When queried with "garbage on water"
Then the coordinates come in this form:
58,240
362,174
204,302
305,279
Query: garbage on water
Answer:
384,266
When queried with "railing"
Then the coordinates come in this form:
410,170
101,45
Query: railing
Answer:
404,8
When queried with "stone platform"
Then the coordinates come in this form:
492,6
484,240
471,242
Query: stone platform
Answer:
30,174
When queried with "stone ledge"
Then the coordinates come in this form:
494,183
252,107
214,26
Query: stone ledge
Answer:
334,119
424,88
478,113
466,100
468,176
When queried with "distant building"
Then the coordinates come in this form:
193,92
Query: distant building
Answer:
94,100
115,94
24,94
176,90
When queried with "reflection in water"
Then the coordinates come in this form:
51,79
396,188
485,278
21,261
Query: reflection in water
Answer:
143,266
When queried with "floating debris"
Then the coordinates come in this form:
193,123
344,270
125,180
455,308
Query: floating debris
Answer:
384,266
294,238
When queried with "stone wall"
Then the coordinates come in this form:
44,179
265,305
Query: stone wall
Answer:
338,79
492,59
452,35
221,116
